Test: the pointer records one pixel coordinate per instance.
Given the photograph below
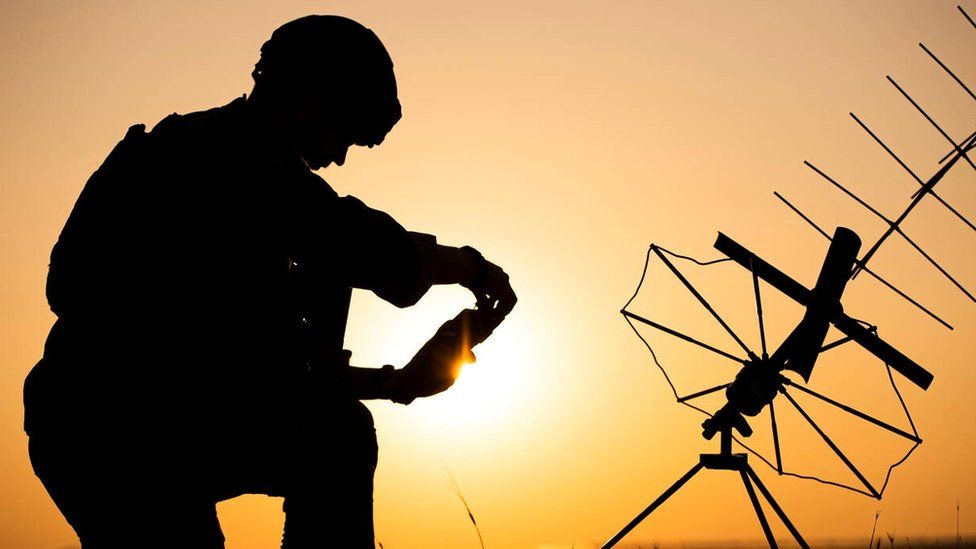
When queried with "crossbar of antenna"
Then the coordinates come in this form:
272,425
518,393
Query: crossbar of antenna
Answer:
924,189
907,367
918,107
701,299
682,336
858,413
966,15
795,291
703,393
832,446
948,71
775,277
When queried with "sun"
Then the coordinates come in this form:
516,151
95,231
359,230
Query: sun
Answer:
487,391
492,393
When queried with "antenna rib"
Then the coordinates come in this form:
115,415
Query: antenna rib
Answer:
703,393
862,415
680,335
759,310
704,303
848,193
955,145
945,68
779,457
876,276
893,226
966,15
918,197
833,446
935,264
929,190
799,213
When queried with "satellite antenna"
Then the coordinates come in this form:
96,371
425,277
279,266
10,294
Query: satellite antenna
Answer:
761,378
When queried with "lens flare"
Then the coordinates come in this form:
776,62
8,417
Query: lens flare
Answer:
487,391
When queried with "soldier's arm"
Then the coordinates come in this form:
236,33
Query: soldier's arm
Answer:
467,267
378,254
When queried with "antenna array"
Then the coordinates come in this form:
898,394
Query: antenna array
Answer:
761,377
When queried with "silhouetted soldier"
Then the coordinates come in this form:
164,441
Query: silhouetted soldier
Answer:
202,284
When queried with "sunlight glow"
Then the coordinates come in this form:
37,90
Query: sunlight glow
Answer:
486,392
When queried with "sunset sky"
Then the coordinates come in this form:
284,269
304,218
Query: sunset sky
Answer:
561,138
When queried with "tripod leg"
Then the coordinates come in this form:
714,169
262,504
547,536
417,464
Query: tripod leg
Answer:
654,505
779,510
759,512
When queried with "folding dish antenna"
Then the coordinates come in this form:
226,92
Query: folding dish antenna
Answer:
760,378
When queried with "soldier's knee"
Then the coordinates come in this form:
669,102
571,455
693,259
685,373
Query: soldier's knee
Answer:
342,435
364,433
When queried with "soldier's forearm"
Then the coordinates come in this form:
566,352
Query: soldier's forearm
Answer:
368,383
450,265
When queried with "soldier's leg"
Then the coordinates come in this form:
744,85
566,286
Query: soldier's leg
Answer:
113,503
329,501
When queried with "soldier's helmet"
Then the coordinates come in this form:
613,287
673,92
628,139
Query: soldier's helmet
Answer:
340,61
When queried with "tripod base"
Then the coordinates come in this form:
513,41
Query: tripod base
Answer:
729,462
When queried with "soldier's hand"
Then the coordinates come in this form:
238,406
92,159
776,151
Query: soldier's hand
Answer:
437,364
491,287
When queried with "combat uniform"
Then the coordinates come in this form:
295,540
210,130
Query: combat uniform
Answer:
201,284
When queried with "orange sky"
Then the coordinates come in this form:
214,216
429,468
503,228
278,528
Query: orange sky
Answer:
560,138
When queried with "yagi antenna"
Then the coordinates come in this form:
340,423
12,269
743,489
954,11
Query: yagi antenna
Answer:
960,151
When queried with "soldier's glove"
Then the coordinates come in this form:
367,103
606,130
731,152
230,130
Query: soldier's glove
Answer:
491,287
437,364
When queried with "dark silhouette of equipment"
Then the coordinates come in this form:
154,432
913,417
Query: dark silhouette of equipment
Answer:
728,461
761,376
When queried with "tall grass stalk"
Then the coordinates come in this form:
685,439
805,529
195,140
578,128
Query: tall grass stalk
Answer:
873,528
460,495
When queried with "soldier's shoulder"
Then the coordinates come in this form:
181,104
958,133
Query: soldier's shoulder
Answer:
207,123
